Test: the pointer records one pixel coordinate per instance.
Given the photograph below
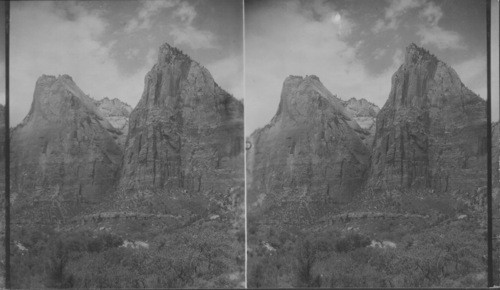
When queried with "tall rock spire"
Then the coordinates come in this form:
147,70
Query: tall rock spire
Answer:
63,155
308,158
184,129
431,132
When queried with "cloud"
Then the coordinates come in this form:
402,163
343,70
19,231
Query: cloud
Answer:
379,53
393,13
224,72
429,30
180,26
131,53
431,33
185,33
282,42
192,37
147,12
45,39
432,13
441,38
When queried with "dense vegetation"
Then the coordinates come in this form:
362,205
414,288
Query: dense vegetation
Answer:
202,255
445,254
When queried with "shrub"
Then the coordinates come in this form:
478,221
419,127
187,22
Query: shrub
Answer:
352,241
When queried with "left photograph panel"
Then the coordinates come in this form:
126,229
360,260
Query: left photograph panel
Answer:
127,167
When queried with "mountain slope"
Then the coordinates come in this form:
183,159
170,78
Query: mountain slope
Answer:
309,157
431,132
63,155
184,132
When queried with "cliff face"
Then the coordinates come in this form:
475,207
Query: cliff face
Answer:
117,113
431,132
64,154
365,115
185,133
309,157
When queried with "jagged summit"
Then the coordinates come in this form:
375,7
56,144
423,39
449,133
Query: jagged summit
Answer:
63,150
414,53
302,95
361,107
55,97
170,54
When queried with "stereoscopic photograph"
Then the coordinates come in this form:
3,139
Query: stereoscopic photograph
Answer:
249,144
127,144
366,129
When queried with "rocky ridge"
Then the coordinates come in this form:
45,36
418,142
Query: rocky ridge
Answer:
117,113
365,114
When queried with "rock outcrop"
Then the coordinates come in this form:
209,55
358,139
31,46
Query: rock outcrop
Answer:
186,133
117,113
431,132
365,115
64,154
308,158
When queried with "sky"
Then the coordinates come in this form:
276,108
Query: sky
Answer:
109,46
355,46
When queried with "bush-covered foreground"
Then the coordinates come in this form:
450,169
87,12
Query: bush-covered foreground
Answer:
201,255
416,254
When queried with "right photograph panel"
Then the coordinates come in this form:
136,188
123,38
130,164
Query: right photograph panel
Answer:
366,129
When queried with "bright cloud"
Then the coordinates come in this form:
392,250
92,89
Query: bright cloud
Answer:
393,13
431,33
192,37
46,41
147,12
443,39
273,52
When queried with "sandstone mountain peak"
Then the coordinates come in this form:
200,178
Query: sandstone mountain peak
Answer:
182,113
63,150
431,132
308,157
302,95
